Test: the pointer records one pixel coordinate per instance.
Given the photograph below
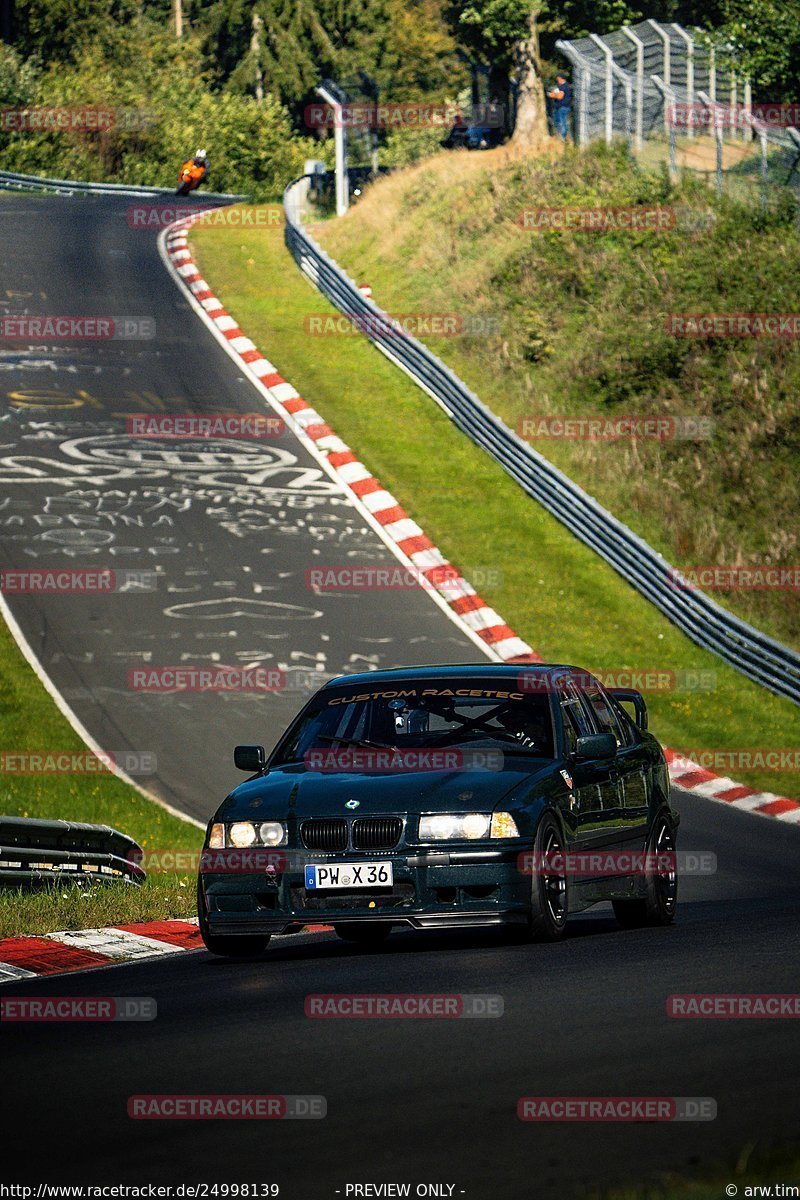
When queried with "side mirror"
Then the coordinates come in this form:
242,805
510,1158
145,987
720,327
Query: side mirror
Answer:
596,745
249,758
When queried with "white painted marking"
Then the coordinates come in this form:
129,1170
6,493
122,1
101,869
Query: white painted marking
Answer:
284,391
512,647
307,417
242,344
332,445
116,943
482,618
425,559
226,323
713,786
354,472
262,366
456,589
9,972
398,531
378,501
749,803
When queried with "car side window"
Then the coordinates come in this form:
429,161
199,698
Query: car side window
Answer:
575,719
630,731
604,714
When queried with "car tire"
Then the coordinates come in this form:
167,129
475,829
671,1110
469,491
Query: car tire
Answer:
549,899
365,935
228,947
657,906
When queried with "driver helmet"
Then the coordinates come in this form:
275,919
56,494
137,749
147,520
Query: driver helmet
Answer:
200,156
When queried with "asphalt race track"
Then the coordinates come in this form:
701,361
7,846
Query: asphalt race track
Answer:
435,1100
229,528
408,1101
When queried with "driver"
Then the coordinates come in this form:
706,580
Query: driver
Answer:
526,727
197,166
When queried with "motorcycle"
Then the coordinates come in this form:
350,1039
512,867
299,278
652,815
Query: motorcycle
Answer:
191,177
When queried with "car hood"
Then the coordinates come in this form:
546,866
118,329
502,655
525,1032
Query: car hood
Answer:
316,793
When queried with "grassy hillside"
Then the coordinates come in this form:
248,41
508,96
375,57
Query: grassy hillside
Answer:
582,318
551,589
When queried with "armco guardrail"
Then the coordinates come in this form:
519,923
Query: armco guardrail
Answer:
38,183
759,657
39,853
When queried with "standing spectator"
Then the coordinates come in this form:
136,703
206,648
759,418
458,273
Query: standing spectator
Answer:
561,95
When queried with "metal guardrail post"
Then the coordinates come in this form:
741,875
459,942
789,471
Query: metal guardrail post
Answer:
35,853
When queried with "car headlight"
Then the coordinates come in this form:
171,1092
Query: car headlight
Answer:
503,826
216,838
271,833
449,826
242,834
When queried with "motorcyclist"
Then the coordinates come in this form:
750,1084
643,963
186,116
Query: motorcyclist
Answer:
193,172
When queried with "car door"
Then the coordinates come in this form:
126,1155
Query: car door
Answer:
632,766
596,814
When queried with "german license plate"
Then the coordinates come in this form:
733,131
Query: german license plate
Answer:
349,875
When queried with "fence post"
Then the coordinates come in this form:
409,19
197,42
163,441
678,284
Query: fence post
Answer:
586,85
671,125
718,119
609,86
340,150
681,32
639,44
747,129
794,134
662,33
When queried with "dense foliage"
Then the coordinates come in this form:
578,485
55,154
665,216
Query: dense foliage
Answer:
242,75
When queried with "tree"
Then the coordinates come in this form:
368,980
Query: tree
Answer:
503,34
530,129
59,30
767,39
286,47
6,20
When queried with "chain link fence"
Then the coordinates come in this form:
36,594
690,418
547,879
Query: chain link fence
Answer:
675,96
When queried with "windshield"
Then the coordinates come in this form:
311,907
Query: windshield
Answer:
429,714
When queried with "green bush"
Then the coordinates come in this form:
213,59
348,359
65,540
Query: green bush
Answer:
251,146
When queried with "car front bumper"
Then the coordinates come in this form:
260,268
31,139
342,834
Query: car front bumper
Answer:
432,888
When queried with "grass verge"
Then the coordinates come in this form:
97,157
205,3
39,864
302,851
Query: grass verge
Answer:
30,721
584,332
549,587
755,1170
